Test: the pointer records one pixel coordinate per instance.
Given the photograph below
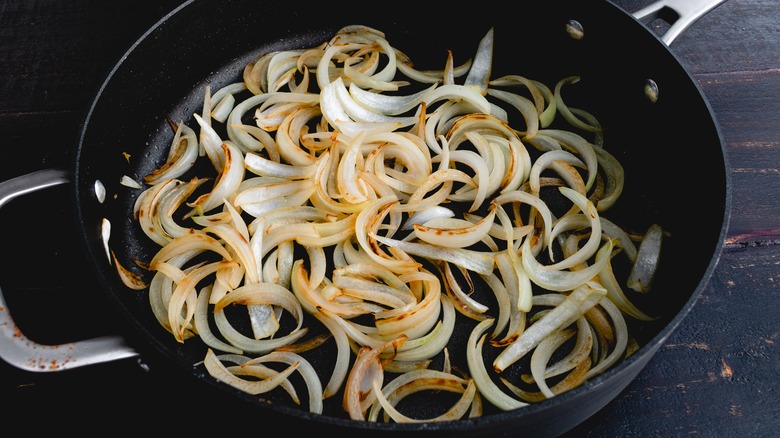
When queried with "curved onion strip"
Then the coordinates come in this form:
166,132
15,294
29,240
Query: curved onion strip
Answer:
288,136
479,262
233,238
541,356
161,286
264,167
645,265
264,293
576,304
519,289
571,380
444,178
591,246
621,339
460,237
615,178
545,161
170,204
341,368
423,216
388,104
525,292
485,384
526,107
455,412
362,233
404,384
242,136
312,299
227,183
181,157
358,390
304,368
429,76
504,304
217,370
251,345
223,101
257,371
202,324
564,109
464,299
479,73
580,352
459,93
357,287
560,280
615,292
481,175
129,278
434,342
183,299
413,321
148,211
585,149
359,113
541,208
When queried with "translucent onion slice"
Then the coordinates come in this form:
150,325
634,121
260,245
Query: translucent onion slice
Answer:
433,343
643,270
341,367
227,183
615,292
615,178
306,370
487,388
479,73
460,234
564,109
477,261
218,370
457,411
181,157
423,216
457,92
541,356
411,382
575,305
358,389
201,321
583,148
148,211
388,104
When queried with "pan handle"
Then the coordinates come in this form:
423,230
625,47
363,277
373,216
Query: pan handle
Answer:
20,351
680,14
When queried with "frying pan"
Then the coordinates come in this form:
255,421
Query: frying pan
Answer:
163,76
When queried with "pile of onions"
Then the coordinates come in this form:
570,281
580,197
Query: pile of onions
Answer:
377,214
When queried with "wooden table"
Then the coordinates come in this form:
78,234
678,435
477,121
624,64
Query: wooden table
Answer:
717,375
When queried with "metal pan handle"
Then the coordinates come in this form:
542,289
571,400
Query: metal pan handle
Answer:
680,14
24,353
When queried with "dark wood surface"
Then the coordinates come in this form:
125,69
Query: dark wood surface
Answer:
717,375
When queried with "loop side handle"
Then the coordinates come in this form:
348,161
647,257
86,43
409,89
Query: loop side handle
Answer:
17,349
680,14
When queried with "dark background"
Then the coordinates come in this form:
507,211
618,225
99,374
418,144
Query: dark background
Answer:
717,375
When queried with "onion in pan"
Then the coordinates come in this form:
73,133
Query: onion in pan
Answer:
332,197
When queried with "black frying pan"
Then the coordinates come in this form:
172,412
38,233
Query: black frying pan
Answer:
163,76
